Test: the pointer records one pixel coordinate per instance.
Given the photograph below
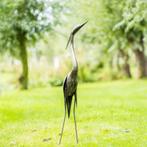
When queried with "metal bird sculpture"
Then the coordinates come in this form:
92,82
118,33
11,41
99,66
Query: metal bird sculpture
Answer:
70,83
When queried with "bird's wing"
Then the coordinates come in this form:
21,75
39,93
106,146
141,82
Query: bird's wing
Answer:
64,83
64,91
67,97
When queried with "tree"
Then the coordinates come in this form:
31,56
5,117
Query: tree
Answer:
119,27
23,22
134,25
103,15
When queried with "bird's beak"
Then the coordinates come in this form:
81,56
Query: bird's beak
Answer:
75,30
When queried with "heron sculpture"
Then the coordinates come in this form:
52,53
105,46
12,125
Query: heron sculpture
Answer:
70,83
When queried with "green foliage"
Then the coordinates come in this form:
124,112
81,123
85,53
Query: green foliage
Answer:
24,23
56,81
111,21
29,18
113,26
134,22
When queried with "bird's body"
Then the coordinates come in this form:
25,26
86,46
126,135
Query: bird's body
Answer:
70,83
70,89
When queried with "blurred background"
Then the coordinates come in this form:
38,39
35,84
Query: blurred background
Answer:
34,33
111,51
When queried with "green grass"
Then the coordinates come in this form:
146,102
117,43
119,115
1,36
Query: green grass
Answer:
109,114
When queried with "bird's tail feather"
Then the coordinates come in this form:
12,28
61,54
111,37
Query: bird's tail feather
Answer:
68,104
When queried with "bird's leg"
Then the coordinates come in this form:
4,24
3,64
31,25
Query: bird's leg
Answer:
62,126
75,117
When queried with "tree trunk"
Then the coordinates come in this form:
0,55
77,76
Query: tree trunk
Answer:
146,67
126,69
24,60
141,63
141,59
125,66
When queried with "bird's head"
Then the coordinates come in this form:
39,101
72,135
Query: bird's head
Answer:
74,31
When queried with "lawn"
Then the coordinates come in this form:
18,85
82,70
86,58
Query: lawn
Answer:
109,114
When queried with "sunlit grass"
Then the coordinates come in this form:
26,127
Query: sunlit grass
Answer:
109,114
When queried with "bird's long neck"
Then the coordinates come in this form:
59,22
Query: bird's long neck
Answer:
74,59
